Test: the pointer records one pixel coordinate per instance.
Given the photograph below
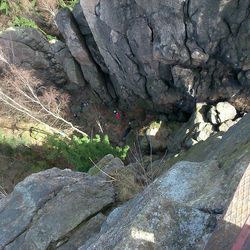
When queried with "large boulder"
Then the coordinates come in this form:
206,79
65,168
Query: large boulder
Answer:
47,208
166,55
28,48
168,214
196,129
124,178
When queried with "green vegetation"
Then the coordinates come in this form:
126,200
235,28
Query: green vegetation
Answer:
20,21
22,13
82,152
4,7
68,4
12,140
79,153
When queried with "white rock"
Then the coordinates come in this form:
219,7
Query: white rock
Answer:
226,111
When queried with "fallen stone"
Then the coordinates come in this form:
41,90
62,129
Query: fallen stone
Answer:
228,124
226,111
203,131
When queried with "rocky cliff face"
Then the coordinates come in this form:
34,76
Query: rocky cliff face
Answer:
60,209
165,55
161,56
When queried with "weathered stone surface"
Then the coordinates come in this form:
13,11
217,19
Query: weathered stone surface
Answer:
228,124
165,214
30,49
172,54
196,129
70,66
46,207
181,208
78,49
52,62
226,111
82,233
88,37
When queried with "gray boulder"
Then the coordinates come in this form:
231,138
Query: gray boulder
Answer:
28,48
123,178
48,207
166,215
196,129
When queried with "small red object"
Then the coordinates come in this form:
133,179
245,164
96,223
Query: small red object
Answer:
118,116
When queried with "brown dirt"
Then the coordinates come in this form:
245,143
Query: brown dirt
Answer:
96,113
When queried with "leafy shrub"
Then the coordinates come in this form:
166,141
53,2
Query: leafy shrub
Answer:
20,21
4,7
82,152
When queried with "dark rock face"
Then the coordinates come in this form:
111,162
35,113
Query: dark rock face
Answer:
77,47
167,55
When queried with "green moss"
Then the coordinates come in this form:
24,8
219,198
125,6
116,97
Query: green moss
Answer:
228,160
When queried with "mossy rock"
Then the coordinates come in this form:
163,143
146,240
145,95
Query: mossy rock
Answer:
105,161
